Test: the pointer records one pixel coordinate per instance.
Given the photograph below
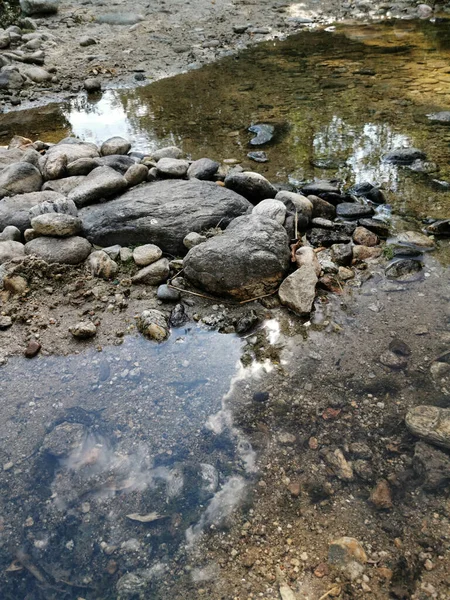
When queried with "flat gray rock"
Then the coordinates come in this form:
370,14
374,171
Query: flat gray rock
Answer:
20,178
69,251
404,156
101,183
162,213
248,260
15,211
430,423
298,291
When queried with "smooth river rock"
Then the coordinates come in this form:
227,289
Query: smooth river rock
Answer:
101,183
115,145
56,224
252,186
54,163
248,260
10,249
431,423
162,213
16,210
20,178
69,251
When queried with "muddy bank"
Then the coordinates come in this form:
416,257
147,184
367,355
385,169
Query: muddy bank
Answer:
118,47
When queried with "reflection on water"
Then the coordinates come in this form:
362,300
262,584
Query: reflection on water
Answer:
110,461
338,99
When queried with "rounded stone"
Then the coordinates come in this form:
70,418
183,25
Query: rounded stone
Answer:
146,255
193,239
56,224
83,330
153,324
172,167
167,294
115,145
70,251
272,209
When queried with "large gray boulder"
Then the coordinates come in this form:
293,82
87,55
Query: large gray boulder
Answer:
19,178
54,163
102,182
68,251
162,213
248,260
16,210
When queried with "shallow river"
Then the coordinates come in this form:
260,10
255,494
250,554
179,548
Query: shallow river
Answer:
122,461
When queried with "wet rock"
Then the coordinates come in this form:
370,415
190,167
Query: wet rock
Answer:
167,294
327,237
348,555
55,204
193,239
393,361
364,237
102,182
298,291
432,466
306,257
259,157
381,496
102,265
10,234
369,191
299,205
63,439
405,270
132,585
380,228
271,209
430,423
399,347
442,117
404,156
39,8
33,348
83,330
70,251
322,208
178,316
172,167
92,85
353,210
9,250
15,284
338,464
136,174
163,213
441,227
56,224
54,163
316,188
167,152
115,145
361,253
252,186
342,254
414,238
264,134
154,274
19,178
203,169
248,260
153,324
146,255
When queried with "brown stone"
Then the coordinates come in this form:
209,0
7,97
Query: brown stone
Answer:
384,573
294,489
32,349
364,237
15,284
381,496
365,253
322,570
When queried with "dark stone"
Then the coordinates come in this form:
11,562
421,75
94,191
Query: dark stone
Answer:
162,213
203,169
399,347
327,237
336,199
441,227
167,294
380,228
404,269
250,259
316,188
432,465
178,316
404,156
353,210
369,191
252,186
118,162
32,349
15,210
264,134
322,208
261,396
342,254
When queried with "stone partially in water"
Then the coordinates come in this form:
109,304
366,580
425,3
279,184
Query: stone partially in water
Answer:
404,269
404,156
315,188
115,145
414,238
264,134
353,210
153,324
260,157
203,169
442,117
369,191
430,423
